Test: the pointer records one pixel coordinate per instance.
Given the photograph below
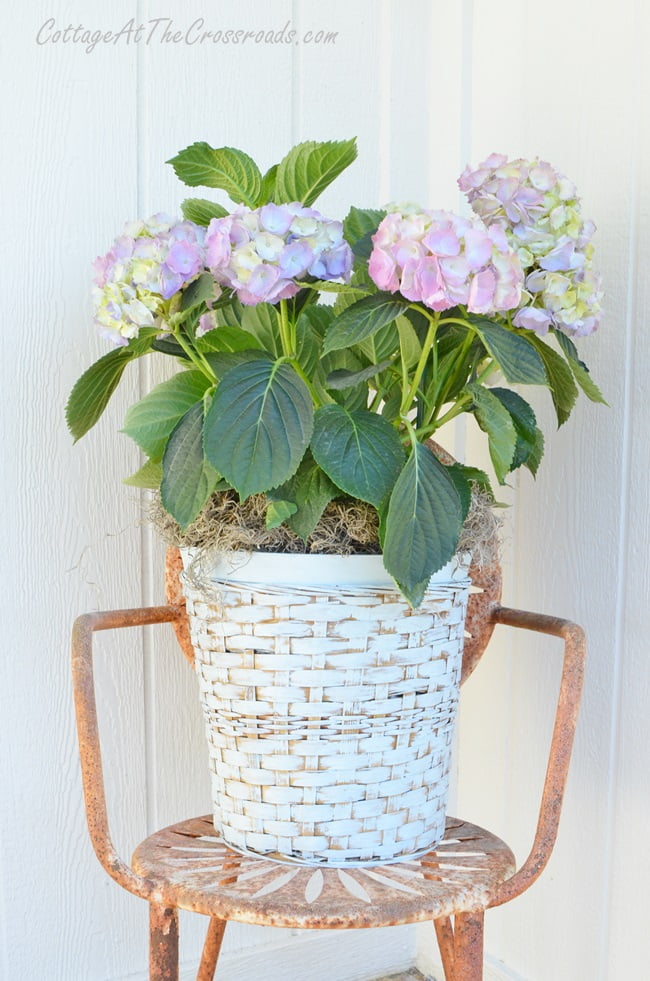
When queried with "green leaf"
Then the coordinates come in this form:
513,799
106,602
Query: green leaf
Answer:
515,353
362,319
342,379
559,379
147,477
277,513
222,362
92,392
473,476
259,425
262,322
358,228
198,292
530,441
423,523
309,168
579,369
268,185
494,419
231,170
202,211
319,316
312,492
463,487
226,339
359,450
188,479
169,345
150,421
355,397
410,347
308,345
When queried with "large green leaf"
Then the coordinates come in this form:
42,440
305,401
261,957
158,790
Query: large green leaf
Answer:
259,425
423,523
188,479
495,420
515,353
309,168
91,393
201,211
579,369
359,450
559,379
231,170
150,421
529,447
363,319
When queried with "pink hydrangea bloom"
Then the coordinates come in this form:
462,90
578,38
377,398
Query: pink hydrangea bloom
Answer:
263,254
442,260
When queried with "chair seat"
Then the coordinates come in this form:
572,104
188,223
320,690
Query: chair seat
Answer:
195,870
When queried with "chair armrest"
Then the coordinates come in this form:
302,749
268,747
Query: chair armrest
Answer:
566,718
88,733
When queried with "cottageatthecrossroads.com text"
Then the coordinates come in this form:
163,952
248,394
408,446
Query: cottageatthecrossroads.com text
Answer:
164,31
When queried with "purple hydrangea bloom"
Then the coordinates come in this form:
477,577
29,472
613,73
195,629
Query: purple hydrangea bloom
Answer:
538,211
147,265
263,254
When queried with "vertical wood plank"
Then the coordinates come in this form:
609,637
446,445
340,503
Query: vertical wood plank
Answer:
568,531
68,540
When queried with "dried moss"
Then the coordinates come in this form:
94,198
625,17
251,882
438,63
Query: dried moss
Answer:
346,527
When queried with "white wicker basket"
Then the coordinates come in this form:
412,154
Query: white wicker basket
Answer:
329,710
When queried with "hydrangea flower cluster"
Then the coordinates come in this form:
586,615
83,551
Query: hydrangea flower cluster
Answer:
539,211
147,265
441,260
261,253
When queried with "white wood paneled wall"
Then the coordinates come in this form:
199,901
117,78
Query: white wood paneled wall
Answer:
426,86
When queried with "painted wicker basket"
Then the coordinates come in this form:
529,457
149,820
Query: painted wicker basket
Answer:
329,709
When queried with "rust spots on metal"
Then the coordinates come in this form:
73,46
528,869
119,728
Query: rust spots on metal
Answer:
163,943
175,597
478,622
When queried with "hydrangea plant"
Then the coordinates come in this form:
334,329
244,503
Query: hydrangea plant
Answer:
319,356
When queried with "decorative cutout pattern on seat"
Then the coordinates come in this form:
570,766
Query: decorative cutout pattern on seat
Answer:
198,871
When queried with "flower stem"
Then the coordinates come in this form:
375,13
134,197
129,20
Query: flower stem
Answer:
195,356
287,335
427,347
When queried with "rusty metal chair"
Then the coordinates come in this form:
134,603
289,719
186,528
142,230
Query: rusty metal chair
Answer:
187,866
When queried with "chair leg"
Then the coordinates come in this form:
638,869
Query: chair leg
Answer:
211,949
163,943
445,935
468,947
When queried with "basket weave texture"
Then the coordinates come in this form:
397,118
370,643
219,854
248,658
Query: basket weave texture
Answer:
329,716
